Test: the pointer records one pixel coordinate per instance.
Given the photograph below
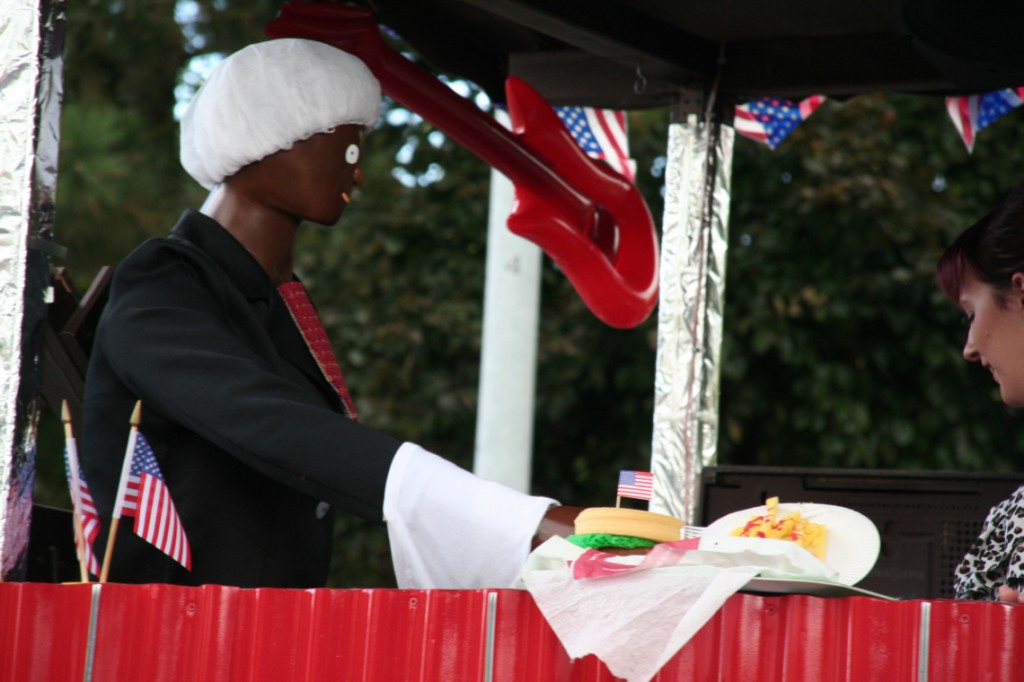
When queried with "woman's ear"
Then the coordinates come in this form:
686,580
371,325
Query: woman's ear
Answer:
1017,283
1017,287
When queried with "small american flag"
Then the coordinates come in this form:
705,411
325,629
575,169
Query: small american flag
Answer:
636,484
973,113
83,505
147,498
601,133
770,120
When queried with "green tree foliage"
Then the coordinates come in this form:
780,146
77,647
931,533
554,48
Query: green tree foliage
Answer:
838,350
119,180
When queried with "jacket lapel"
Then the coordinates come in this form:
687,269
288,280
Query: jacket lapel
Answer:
264,300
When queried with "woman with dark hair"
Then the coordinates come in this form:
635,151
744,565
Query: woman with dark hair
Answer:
982,271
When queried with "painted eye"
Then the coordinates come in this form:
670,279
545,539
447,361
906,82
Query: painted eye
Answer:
352,154
966,320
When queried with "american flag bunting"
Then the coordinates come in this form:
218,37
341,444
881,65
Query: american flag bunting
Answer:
636,484
147,498
973,113
83,504
770,120
602,134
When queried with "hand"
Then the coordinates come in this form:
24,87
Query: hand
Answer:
558,521
1008,595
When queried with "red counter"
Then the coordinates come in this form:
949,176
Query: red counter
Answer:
128,633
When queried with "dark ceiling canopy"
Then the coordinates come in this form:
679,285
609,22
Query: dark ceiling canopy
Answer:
644,53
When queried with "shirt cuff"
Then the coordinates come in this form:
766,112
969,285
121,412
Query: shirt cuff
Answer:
450,529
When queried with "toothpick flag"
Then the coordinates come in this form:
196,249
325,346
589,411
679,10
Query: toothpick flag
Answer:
770,120
636,484
601,133
973,113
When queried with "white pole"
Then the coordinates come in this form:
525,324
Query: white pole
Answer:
508,355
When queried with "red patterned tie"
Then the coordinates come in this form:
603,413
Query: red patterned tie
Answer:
302,310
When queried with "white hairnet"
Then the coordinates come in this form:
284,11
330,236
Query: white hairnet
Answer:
268,96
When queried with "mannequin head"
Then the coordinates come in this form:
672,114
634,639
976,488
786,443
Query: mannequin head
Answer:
266,97
312,180
276,132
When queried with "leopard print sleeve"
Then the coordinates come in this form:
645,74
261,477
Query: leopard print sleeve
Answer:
997,556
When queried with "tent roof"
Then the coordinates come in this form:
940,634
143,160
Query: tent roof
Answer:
642,53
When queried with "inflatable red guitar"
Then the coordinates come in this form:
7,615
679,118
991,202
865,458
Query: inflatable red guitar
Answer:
589,219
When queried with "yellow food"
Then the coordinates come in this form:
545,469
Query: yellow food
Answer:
793,527
632,522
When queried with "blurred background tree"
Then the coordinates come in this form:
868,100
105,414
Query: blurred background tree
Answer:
839,350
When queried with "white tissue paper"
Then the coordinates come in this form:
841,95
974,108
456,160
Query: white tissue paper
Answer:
636,612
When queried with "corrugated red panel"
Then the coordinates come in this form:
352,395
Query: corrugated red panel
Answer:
164,632
43,632
753,638
219,633
975,641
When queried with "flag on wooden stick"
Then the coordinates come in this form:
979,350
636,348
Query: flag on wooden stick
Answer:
85,518
142,493
156,519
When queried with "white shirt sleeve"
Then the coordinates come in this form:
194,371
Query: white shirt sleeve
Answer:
450,529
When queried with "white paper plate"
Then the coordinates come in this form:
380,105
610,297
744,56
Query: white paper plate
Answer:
815,588
851,547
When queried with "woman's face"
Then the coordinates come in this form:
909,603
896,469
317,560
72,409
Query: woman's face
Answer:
995,337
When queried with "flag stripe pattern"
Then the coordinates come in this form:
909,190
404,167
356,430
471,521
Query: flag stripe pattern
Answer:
973,113
149,501
158,522
770,120
601,134
87,508
636,484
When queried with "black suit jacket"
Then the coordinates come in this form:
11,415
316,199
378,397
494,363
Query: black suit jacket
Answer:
250,437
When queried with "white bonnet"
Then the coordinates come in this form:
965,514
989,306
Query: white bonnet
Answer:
266,97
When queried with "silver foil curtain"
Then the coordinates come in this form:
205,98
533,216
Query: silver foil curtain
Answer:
31,43
693,248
